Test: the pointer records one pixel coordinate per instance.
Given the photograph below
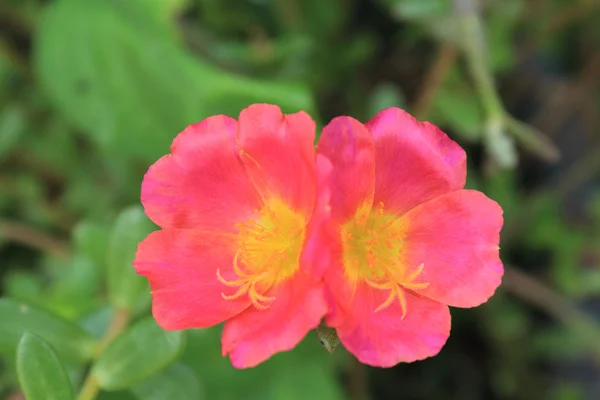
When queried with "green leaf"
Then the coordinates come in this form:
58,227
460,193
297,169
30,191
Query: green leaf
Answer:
130,85
23,285
221,380
291,384
77,289
97,322
458,107
91,241
69,340
177,381
126,289
41,375
136,354
418,9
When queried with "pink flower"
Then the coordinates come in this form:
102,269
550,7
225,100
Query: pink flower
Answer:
238,205
407,240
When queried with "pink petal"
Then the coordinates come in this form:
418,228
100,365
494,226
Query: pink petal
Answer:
415,161
255,335
278,153
202,184
383,338
181,266
456,237
350,148
315,257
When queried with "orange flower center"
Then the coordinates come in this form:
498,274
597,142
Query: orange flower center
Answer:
269,247
373,244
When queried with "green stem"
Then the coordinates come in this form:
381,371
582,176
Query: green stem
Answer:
474,47
532,139
90,387
498,121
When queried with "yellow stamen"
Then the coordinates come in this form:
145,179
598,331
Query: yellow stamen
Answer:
268,253
373,244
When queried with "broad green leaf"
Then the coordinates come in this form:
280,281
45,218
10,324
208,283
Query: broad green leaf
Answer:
136,354
164,9
459,108
41,375
91,241
125,287
221,380
131,86
419,9
97,322
177,381
120,395
76,290
69,340
23,285
292,384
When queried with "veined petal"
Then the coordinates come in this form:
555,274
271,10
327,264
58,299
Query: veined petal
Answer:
350,148
181,267
456,237
416,161
384,338
202,184
255,335
278,153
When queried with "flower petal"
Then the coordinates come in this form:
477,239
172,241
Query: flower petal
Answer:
350,148
456,237
416,161
181,267
278,153
383,338
316,257
255,335
202,184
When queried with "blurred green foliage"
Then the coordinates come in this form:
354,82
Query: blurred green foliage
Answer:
92,92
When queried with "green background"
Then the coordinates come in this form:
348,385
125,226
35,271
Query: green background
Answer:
92,92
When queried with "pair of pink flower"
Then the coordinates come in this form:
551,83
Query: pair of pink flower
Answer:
373,231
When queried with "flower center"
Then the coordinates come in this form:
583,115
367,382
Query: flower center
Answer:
373,244
269,247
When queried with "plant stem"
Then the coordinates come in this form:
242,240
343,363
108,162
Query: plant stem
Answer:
32,237
474,47
498,121
535,292
90,388
531,139
434,80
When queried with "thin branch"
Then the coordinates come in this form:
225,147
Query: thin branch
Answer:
90,387
536,293
434,79
21,233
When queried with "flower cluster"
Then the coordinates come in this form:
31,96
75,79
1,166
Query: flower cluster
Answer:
372,231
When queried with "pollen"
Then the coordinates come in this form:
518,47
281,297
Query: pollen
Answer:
268,253
373,245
